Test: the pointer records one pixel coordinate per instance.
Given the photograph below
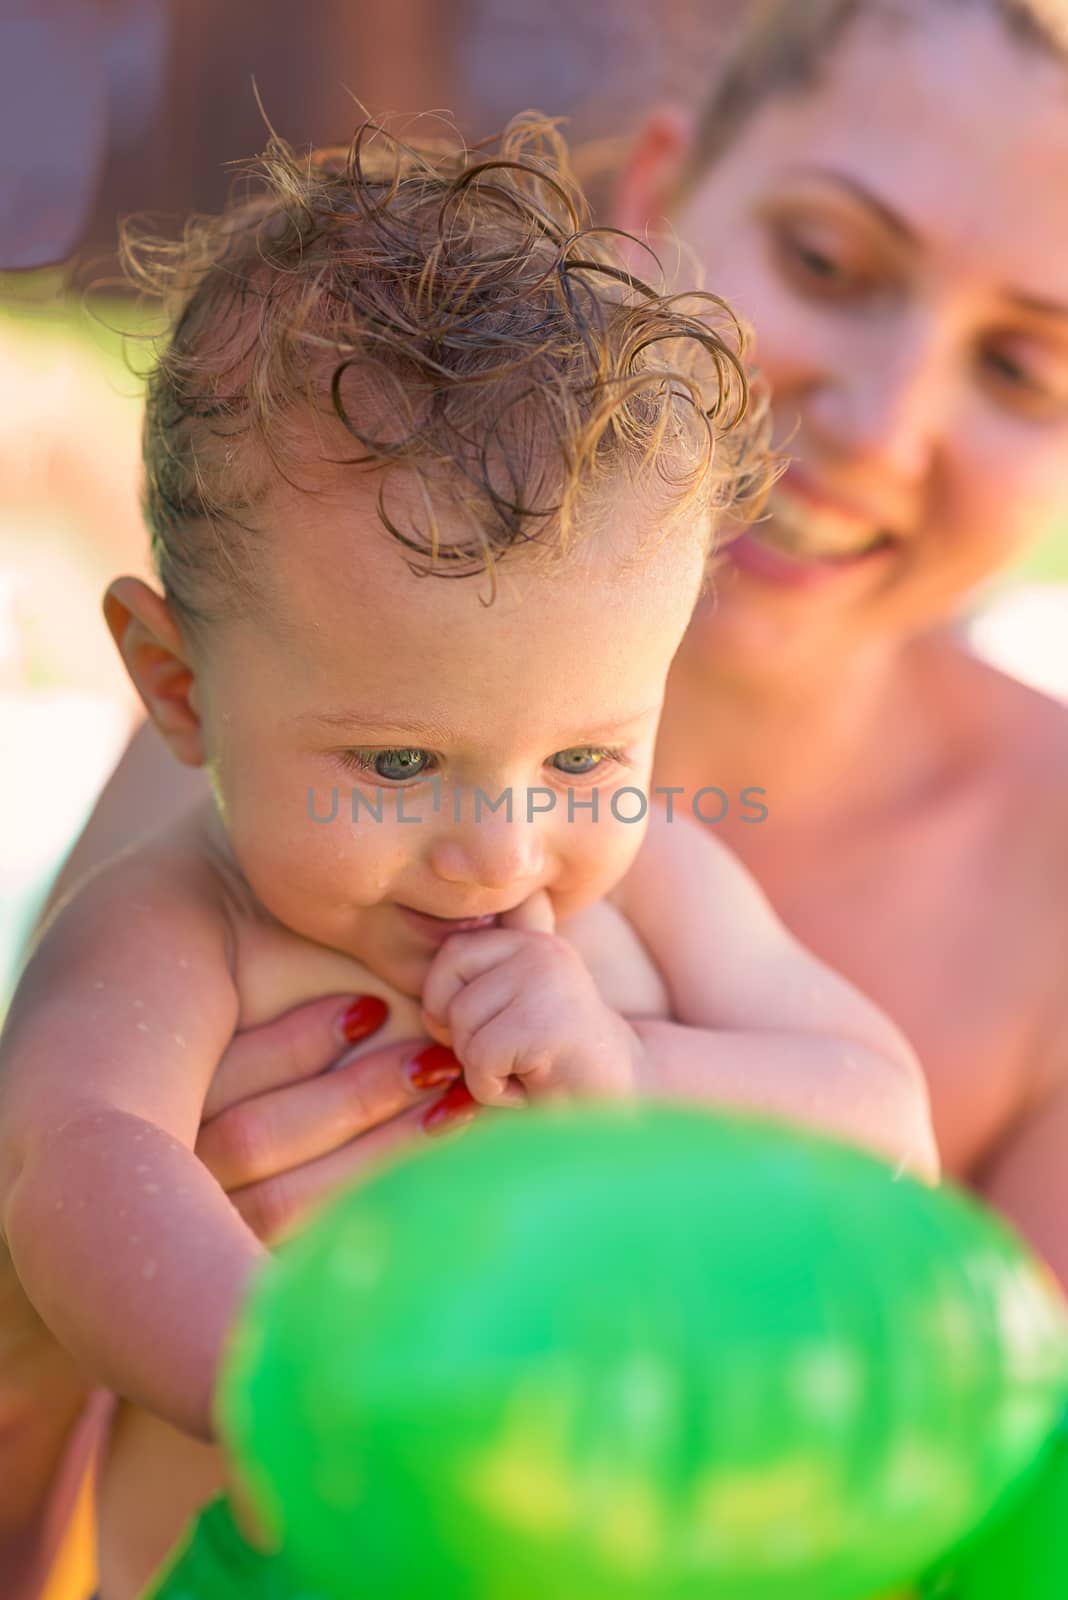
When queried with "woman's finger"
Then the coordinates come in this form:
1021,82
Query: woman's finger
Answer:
259,1138
296,1045
280,1203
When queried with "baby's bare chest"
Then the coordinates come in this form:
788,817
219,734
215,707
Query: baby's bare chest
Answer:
276,970
156,1478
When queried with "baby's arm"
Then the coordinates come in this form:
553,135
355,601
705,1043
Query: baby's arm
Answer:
758,1021
124,1242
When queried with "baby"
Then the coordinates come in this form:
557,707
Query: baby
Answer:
431,481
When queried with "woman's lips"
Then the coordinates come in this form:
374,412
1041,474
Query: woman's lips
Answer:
438,929
796,485
805,542
752,555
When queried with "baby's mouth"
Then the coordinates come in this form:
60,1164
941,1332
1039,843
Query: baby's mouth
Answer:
441,926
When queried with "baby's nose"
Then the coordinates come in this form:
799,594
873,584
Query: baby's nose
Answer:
491,853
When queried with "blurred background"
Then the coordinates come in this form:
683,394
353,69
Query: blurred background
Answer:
116,106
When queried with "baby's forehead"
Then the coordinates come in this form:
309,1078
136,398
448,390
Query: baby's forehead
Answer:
355,540
346,611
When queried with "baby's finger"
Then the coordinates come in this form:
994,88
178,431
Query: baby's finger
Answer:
297,1045
534,915
477,1005
261,1138
462,958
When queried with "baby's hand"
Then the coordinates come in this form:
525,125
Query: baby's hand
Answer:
523,1015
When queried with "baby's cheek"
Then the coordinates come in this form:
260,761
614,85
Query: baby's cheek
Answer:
601,853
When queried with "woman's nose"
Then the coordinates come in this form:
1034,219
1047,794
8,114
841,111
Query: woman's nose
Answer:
892,409
490,853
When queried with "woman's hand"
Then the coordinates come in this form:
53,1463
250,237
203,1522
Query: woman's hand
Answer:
290,1116
42,1394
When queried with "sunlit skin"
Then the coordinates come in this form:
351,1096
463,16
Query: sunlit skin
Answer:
915,835
555,686
899,239
559,956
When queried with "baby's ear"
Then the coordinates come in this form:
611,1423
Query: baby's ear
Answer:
151,646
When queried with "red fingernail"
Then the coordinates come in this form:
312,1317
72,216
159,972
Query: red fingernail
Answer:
365,1016
456,1106
432,1067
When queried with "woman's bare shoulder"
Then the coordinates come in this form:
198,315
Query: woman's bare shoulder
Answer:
1018,732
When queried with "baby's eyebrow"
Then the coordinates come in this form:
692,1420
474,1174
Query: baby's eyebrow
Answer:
366,720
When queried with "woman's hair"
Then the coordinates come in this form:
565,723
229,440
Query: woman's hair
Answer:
444,311
782,44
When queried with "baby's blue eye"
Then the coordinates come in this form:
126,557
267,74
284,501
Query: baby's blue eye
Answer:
400,764
577,762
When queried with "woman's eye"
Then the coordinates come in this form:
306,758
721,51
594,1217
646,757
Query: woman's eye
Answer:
1039,389
393,765
581,760
1005,367
814,264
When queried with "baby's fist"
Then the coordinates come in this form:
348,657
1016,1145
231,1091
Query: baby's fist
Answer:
524,1016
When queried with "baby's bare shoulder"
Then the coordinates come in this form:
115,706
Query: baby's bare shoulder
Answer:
156,918
128,998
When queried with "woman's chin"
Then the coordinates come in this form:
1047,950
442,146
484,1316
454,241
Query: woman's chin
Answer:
738,637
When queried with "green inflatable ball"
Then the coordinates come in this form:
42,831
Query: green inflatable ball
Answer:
1022,1553
639,1354
214,1562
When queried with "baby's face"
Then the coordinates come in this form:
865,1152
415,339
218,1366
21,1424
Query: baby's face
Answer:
360,732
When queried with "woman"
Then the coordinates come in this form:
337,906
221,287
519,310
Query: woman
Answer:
878,184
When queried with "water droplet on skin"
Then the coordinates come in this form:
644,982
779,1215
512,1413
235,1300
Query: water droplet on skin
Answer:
183,963
138,1005
142,1027
133,1238
99,983
144,1167
148,1270
59,1205
179,1040
150,1188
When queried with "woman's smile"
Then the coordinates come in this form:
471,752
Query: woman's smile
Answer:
810,536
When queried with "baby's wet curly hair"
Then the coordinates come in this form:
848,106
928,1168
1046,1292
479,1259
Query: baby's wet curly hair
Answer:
444,311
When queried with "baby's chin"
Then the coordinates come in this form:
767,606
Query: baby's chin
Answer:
403,970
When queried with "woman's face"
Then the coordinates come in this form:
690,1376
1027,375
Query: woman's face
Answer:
898,237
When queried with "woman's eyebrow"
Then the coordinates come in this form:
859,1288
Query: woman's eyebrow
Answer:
1036,306
892,220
